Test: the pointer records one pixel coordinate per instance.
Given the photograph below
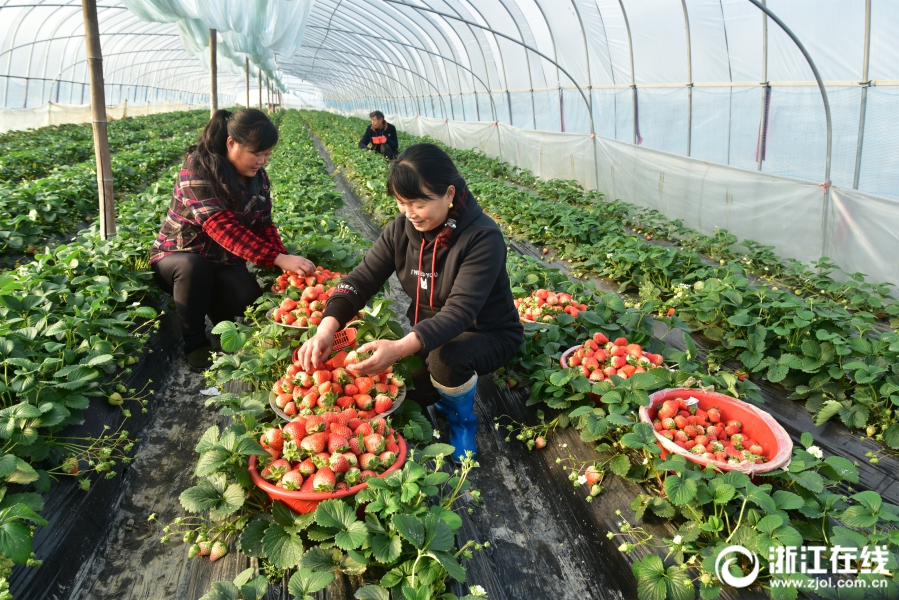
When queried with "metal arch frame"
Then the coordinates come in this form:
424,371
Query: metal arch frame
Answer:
689,79
410,59
392,64
730,74
630,45
865,83
364,78
498,51
416,30
483,59
555,61
458,64
580,21
535,51
605,35
527,61
825,216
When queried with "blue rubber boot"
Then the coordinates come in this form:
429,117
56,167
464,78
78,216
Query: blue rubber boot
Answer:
457,405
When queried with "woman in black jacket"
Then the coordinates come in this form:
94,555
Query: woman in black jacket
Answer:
450,258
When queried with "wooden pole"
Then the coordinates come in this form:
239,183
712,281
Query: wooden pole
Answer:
260,89
213,72
248,81
98,118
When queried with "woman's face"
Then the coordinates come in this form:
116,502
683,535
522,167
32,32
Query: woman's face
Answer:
427,214
246,162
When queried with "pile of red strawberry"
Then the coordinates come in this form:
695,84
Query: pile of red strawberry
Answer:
314,292
599,358
707,433
327,453
332,389
545,306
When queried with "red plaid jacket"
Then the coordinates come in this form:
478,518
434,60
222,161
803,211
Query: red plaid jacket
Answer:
197,221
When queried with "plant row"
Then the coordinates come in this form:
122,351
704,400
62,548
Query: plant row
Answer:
72,322
835,359
799,505
399,533
32,210
38,152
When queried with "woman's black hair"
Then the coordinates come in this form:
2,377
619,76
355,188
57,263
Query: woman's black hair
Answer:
248,127
423,171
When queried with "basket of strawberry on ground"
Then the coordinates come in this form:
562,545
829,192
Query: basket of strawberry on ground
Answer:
330,388
713,429
543,306
326,456
598,359
306,297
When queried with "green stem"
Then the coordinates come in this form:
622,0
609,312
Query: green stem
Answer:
739,520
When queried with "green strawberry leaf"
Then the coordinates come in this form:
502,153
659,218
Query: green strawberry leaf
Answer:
372,592
283,549
305,582
222,590
386,549
411,528
680,491
651,581
250,541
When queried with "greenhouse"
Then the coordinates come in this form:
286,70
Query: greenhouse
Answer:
456,299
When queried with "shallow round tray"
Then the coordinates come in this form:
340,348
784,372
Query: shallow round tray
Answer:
268,316
285,417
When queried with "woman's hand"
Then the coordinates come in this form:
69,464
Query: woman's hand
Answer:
317,349
385,353
297,264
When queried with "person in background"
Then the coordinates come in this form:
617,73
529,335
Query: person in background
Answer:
450,258
381,135
219,218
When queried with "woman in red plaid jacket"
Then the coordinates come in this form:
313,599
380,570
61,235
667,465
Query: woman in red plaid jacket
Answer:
220,217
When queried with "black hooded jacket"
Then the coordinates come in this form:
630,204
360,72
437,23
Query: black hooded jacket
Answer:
464,287
389,131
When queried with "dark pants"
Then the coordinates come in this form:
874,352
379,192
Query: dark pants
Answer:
201,288
454,363
385,150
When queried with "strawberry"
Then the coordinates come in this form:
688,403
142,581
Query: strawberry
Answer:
351,477
657,425
599,338
277,469
735,424
321,376
737,437
698,449
364,401
341,486
702,440
689,444
668,423
383,403
691,432
374,443
668,434
680,436
337,443
618,362
339,463
634,350
369,461
680,421
364,429
367,474
274,438
292,480
379,425
351,458
315,443
621,341
351,389
315,424
308,485
756,449
282,399
306,468
310,400
324,480
341,430
324,388
364,384
387,458
731,430
357,446
205,548
322,459
294,431
330,418
539,442
593,475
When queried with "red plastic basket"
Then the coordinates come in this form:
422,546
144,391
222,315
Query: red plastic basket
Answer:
757,424
306,502
342,339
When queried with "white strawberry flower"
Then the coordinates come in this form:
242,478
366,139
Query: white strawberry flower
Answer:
582,479
477,591
815,451
677,540
437,433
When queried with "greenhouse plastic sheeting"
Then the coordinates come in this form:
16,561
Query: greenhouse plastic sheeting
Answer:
62,114
862,229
